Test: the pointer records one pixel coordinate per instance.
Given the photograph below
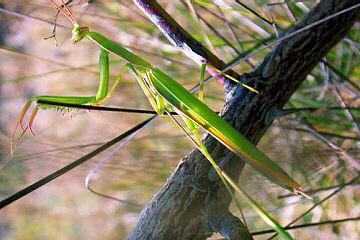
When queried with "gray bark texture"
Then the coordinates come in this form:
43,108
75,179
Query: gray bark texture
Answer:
193,204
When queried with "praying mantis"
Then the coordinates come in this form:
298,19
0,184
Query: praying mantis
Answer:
165,95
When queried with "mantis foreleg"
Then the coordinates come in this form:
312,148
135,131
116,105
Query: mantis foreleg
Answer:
101,95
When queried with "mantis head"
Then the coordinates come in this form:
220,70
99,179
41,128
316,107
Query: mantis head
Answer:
78,33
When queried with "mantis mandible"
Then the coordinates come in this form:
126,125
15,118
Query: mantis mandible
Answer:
164,94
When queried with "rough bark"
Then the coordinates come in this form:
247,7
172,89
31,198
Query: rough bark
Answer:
193,204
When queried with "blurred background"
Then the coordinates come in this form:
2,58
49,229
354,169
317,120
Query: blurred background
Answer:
317,147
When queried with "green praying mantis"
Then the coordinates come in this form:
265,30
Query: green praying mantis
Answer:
165,95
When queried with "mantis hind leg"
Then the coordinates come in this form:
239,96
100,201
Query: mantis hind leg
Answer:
190,124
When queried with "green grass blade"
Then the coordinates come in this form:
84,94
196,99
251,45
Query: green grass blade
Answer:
262,213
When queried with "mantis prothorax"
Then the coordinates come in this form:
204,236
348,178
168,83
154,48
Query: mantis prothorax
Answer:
164,94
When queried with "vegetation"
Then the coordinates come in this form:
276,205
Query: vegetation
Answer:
316,139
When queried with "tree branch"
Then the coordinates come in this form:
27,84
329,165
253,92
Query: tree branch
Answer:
189,204
182,40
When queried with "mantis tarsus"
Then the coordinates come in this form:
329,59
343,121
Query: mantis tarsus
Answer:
164,94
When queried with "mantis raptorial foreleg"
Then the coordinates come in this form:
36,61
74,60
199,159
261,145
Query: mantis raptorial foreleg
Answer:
102,94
